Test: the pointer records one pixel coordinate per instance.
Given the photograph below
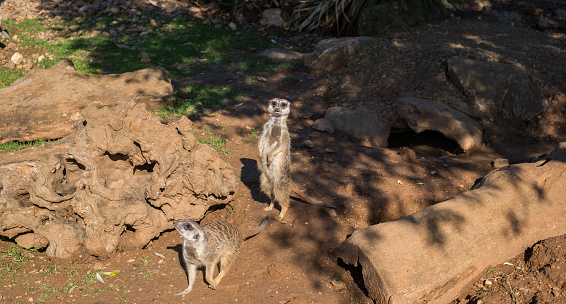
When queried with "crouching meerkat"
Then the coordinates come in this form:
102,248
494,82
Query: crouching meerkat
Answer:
275,159
208,245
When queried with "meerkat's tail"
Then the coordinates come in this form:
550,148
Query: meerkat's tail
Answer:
310,200
255,231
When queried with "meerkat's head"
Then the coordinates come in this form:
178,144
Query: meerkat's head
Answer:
279,107
189,230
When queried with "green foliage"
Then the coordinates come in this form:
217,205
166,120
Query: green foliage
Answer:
15,145
182,45
145,261
407,6
340,17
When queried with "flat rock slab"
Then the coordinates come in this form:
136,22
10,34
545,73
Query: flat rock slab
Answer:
46,104
367,125
333,53
429,256
421,115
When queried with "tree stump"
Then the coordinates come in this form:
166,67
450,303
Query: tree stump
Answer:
118,181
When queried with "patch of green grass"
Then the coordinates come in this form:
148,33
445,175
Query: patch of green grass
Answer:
146,275
72,273
182,45
16,145
44,297
16,255
145,261
254,134
89,279
215,142
50,270
8,76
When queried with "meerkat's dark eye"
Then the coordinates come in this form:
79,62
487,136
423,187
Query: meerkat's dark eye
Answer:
283,104
188,227
274,103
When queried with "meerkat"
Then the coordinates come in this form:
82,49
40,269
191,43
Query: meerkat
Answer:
208,245
275,159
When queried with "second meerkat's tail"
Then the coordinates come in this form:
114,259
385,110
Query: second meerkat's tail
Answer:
309,200
255,231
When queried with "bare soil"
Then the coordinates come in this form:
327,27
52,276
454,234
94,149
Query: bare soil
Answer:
289,262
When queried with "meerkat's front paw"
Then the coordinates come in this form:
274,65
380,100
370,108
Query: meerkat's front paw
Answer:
268,208
212,286
184,292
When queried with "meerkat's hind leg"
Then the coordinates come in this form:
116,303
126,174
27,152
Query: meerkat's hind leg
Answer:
225,264
284,201
282,213
192,273
268,190
209,272
271,204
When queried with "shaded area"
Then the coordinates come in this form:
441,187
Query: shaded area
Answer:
372,185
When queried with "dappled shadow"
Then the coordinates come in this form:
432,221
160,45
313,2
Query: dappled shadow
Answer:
371,185
250,177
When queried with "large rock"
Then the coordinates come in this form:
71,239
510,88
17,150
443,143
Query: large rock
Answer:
429,256
496,89
119,180
367,125
57,96
421,115
334,53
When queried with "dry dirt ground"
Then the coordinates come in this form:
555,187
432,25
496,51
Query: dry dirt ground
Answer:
289,262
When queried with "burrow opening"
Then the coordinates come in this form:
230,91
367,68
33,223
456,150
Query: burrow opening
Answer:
435,139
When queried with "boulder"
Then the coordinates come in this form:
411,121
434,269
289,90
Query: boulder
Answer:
429,256
367,125
274,17
421,115
334,53
57,96
118,181
323,125
496,89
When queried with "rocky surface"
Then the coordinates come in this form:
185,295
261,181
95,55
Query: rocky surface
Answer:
334,53
117,182
288,263
370,126
422,115
57,96
463,232
496,89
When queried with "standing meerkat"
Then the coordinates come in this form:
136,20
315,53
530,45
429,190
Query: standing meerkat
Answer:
210,244
275,159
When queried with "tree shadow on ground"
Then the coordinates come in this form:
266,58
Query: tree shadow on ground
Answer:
208,59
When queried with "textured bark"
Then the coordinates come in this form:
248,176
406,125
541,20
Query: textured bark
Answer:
119,180
429,256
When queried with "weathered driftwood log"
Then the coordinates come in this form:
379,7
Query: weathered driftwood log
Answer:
429,256
118,180
46,104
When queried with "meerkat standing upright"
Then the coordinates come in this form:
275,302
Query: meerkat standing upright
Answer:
210,244
275,156
275,159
